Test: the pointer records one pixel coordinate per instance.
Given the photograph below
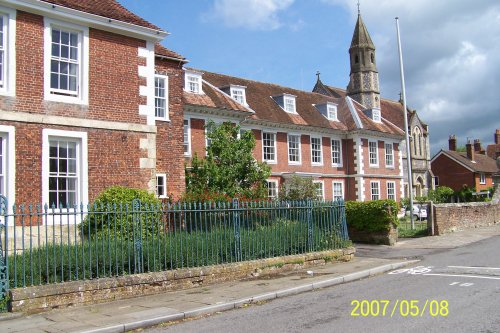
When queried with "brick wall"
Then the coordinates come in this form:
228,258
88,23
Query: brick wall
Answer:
113,159
169,140
452,174
113,83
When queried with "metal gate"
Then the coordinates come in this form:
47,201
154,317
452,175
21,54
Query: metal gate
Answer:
4,276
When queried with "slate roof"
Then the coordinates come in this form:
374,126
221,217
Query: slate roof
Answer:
162,51
107,8
259,99
361,37
481,163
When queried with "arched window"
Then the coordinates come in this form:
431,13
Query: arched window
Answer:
356,59
417,141
372,57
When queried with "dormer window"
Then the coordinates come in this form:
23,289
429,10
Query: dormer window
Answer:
328,110
376,116
289,102
331,110
286,102
238,94
193,82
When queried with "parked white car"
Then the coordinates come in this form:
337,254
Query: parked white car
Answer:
418,212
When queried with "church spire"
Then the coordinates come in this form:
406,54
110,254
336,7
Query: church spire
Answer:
363,83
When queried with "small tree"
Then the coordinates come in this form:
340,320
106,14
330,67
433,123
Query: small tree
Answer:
229,168
299,188
442,194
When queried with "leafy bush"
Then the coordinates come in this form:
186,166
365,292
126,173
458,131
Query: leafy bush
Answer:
372,216
113,215
442,194
299,188
108,257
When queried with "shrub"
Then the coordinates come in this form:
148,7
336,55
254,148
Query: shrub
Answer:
299,188
372,216
112,215
442,194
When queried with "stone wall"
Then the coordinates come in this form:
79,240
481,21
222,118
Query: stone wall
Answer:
455,217
40,298
389,237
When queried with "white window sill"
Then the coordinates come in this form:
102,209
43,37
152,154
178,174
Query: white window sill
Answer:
270,162
166,120
65,99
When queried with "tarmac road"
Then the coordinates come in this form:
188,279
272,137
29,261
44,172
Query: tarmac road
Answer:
456,289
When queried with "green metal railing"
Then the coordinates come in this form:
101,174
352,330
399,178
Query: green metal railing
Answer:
43,245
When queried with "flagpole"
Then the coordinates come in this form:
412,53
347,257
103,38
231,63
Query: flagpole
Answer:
407,135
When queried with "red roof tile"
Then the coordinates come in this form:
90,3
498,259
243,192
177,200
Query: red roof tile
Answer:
106,8
162,51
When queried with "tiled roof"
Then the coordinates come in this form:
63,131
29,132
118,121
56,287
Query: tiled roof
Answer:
106,8
259,97
214,98
482,163
160,50
391,110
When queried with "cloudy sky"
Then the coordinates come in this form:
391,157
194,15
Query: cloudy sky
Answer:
451,50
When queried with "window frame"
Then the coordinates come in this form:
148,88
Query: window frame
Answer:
8,135
276,188
393,189
322,188
298,148
164,177
391,155
328,111
165,98
313,150
233,90
274,147
82,161
372,194
376,115
198,81
339,158
293,104
482,178
58,95
370,153
8,70
341,183
188,135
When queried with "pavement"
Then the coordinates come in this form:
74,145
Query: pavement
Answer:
146,311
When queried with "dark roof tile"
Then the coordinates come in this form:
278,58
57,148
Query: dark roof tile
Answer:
106,8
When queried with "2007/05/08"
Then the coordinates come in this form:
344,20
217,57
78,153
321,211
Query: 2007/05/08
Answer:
403,308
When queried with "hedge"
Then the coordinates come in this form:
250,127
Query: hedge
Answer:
372,216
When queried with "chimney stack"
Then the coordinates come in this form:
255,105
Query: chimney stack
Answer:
470,150
452,143
477,147
497,137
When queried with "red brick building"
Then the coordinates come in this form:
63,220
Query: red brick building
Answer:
87,100
493,150
472,168
349,151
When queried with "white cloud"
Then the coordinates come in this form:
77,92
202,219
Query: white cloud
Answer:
249,14
452,68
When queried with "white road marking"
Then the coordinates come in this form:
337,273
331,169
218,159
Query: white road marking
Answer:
463,275
474,267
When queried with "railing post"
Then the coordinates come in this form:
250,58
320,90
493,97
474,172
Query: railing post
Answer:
310,238
236,225
4,261
137,225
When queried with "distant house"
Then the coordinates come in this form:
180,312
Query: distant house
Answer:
493,150
456,169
